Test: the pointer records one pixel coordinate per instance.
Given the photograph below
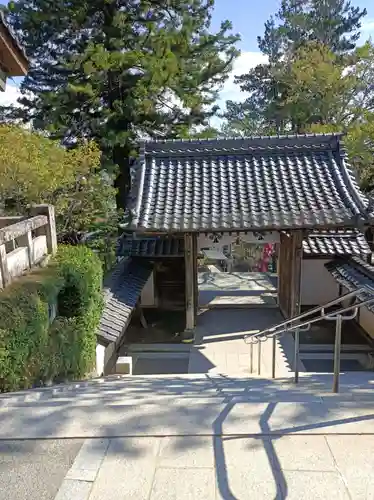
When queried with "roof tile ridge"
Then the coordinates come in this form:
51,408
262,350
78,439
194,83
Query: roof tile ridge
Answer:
348,173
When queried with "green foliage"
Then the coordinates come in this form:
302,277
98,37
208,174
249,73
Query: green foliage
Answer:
324,88
81,271
197,134
333,24
33,351
35,169
104,239
116,70
318,84
359,143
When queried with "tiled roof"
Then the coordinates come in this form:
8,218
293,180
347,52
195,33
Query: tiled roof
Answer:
12,35
122,290
278,182
353,273
152,247
348,242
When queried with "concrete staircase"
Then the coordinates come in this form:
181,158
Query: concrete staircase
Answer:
207,437
189,405
157,359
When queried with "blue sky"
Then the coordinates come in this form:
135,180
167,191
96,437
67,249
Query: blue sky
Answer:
249,20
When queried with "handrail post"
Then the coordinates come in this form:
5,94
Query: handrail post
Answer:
274,346
296,356
259,358
251,358
337,350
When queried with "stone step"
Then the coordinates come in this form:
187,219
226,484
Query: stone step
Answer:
330,355
120,406
330,348
159,355
175,348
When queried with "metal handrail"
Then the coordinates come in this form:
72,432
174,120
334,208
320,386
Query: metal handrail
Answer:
336,316
283,327
319,318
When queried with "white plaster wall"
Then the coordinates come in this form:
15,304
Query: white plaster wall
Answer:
39,248
317,284
366,321
147,298
18,261
365,317
100,359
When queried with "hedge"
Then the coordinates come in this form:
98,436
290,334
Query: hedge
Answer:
34,351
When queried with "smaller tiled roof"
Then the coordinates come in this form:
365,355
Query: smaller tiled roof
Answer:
152,247
345,242
327,243
353,273
122,290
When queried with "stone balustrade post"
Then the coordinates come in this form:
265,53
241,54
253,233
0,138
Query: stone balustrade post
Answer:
4,271
50,229
26,241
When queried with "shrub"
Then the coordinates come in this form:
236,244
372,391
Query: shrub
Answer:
82,275
33,351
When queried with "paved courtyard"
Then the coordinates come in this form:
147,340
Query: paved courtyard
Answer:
219,289
219,346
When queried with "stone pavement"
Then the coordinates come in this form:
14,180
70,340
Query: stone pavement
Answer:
219,346
206,437
236,289
222,467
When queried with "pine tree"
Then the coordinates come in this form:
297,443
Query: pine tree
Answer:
332,23
117,70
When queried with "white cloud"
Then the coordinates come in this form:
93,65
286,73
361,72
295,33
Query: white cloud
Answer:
10,95
231,92
243,64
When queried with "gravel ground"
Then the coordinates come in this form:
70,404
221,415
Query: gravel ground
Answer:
34,470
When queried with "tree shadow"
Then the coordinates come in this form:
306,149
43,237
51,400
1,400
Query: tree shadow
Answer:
133,410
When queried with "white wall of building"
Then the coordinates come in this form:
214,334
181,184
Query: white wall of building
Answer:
317,284
147,298
366,321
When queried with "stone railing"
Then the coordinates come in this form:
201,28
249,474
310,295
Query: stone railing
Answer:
25,242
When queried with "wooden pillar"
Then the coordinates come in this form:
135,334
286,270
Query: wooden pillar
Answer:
196,287
283,274
190,280
296,262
